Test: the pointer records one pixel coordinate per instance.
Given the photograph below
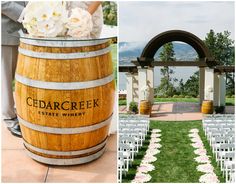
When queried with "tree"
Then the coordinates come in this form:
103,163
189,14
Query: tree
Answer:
180,88
222,48
191,86
166,87
110,12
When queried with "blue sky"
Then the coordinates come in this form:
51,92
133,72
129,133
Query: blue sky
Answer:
140,21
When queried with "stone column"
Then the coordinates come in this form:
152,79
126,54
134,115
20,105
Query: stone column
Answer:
135,87
129,89
209,84
201,84
212,86
222,89
150,83
142,82
216,95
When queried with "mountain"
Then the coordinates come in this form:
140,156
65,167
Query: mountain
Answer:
131,50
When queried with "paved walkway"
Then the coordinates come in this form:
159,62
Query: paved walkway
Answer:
178,111
18,167
173,111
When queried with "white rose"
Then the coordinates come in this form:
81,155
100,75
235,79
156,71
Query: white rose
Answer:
46,19
79,23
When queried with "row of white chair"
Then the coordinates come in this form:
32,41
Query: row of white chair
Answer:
220,132
132,133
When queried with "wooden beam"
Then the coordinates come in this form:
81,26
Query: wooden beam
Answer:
130,69
175,63
225,69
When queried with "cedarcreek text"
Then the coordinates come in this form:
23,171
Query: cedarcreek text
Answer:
65,106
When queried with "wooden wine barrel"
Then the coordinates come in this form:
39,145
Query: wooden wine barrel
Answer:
64,98
207,107
145,107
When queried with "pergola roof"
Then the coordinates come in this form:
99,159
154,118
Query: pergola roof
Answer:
148,53
224,69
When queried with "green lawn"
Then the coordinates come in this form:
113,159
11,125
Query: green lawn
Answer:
176,99
229,101
122,102
175,163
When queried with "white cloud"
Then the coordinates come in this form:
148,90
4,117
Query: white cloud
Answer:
140,21
130,46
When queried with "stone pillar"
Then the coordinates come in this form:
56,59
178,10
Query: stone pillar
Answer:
142,82
222,89
216,95
150,83
212,86
135,87
129,89
201,84
209,84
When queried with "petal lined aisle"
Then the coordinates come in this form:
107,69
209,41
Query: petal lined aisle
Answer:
170,153
150,157
203,159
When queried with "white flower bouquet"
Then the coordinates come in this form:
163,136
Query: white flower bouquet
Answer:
51,19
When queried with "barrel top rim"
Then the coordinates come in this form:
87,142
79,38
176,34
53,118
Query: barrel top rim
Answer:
27,36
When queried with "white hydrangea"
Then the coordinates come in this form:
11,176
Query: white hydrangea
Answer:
79,24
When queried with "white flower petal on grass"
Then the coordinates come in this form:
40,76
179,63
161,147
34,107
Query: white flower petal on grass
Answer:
152,151
209,178
154,146
196,139
141,178
155,139
145,168
154,135
149,159
206,168
202,159
201,151
194,130
193,135
156,130
198,145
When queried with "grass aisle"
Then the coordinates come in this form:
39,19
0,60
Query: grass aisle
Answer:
175,163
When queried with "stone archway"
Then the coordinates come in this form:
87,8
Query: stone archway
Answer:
143,74
146,59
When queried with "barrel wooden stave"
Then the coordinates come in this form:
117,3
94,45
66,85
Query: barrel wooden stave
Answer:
92,116
63,156
83,146
64,142
145,107
50,69
207,107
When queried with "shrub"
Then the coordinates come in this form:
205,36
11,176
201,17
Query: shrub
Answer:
228,96
133,107
219,109
187,96
181,96
164,96
175,96
232,96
